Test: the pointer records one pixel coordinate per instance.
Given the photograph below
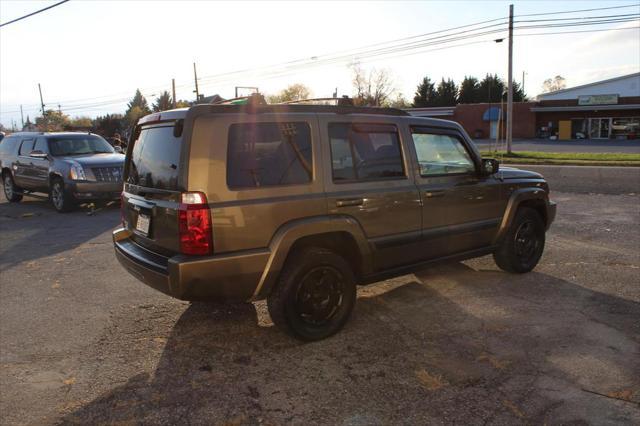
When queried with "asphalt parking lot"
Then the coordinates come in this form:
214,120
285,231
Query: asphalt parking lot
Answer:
81,341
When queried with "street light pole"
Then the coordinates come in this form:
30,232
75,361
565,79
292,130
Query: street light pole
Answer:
510,93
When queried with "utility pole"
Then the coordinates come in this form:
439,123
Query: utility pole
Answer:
173,88
41,101
21,116
195,77
510,93
523,73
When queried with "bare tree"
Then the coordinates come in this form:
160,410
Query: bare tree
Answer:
553,84
373,88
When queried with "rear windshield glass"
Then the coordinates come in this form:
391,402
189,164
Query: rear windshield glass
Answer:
155,159
78,145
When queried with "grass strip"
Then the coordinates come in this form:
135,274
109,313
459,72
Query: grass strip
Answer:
565,158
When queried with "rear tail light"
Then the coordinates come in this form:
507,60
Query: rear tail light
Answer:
194,219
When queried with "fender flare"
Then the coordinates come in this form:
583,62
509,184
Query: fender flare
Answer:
286,236
516,198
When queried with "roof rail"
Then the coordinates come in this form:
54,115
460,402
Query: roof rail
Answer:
254,98
294,108
343,101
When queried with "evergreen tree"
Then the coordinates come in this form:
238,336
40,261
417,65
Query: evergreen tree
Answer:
491,89
138,101
163,103
446,93
518,93
425,94
137,108
469,91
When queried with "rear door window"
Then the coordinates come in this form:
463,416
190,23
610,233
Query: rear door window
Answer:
155,158
26,147
365,152
269,154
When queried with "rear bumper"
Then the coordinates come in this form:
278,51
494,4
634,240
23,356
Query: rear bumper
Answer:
95,190
231,277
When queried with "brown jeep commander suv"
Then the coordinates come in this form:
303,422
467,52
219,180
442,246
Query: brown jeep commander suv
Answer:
298,204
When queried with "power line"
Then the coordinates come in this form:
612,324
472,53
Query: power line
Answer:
577,18
578,31
366,52
34,13
577,11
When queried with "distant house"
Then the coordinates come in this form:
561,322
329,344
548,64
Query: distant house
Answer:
210,99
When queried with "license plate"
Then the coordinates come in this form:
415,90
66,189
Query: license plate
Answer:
142,224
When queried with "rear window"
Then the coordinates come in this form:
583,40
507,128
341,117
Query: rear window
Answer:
269,154
155,158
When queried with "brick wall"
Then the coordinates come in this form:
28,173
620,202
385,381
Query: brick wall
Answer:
470,117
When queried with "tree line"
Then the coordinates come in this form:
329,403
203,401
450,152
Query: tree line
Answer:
374,87
109,124
491,89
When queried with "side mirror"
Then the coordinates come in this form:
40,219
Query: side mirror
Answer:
118,149
490,166
38,154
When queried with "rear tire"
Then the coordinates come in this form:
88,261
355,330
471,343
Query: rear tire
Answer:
61,199
314,295
523,244
11,191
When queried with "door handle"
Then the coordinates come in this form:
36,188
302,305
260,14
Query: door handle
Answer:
349,202
433,194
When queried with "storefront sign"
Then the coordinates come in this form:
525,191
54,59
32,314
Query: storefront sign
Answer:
598,100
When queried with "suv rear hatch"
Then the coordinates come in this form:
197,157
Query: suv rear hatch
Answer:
152,193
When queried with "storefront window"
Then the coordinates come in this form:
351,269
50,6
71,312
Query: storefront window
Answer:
625,127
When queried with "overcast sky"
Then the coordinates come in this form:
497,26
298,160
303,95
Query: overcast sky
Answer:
90,56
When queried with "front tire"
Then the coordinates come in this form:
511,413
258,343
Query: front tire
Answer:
523,244
314,295
60,197
11,191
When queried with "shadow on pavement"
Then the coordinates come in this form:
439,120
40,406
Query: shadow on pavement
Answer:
454,346
32,229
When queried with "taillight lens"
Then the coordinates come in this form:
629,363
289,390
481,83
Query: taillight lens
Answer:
194,219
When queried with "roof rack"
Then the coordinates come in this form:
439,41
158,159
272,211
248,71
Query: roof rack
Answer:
284,108
343,101
254,98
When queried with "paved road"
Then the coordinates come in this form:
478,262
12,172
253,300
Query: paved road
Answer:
544,145
588,179
83,342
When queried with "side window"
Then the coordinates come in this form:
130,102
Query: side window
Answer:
365,152
26,147
41,145
441,155
269,154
